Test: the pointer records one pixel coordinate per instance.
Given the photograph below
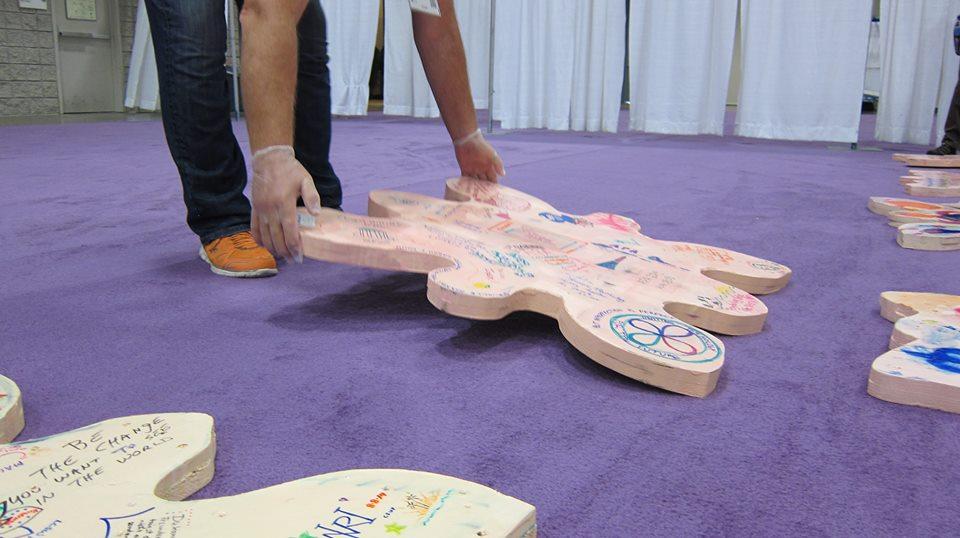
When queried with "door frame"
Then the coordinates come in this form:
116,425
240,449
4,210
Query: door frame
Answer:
116,51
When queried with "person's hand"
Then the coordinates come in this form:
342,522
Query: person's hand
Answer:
278,179
477,157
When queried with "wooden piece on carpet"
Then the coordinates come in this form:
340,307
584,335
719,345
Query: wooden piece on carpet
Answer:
931,187
11,412
928,161
933,174
895,305
883,205
921,236
127,477
922,367
629,302
901,210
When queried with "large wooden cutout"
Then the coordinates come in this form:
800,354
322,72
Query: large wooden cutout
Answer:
11,412
928,161
920,225
629,302
923,365
125,478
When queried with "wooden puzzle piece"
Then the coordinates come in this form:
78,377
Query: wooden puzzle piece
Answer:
928,161
895,305
931,187
749,273
923,365
921,236
126,478
885,206
932,174
920,225
11,412
629,302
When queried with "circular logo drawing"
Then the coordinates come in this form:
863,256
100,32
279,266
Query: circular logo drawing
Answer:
665,337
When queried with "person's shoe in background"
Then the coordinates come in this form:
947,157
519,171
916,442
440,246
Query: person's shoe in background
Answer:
943,149
238,255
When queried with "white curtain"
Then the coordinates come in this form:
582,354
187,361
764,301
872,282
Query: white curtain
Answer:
405,88
559,63
680,56
803,67
351,37
918,64
598,62
142,85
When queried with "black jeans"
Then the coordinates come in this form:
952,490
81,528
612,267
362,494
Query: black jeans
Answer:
951,127
190,40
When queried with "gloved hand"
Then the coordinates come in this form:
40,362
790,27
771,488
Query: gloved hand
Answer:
278,179
477,157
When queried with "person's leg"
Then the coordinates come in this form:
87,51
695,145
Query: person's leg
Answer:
190,39
952,126
312,132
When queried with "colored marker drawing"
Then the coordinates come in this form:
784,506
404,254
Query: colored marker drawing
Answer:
75,486
923,365
671,339
946,359
485,260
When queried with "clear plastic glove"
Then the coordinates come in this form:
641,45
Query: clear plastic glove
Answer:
477,157
278,179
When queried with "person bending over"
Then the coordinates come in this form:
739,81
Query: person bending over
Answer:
286,90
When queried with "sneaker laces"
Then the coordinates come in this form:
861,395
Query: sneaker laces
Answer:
243,241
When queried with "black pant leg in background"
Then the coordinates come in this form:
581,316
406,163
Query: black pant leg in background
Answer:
312,118
952,126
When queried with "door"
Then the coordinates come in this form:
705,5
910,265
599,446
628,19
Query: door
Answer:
88,46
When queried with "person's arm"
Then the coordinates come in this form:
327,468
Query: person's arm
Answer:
445,64
269,82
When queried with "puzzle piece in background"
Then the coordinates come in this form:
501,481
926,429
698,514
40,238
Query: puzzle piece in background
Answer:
932,174
931,187
928,161
126,477
631,303
923,366
898,210
895,305
921,236
11,411
920,225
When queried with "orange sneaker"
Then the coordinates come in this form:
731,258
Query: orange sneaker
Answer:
238,255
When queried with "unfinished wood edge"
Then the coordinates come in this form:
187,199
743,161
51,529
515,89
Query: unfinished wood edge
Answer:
717,321
12,419
192,475
452,194
915,392
641,367
751,284
891,310
926,243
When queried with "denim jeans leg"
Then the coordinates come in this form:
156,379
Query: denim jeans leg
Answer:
313,128
190,39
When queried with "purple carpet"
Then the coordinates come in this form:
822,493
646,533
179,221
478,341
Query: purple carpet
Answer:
107,311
